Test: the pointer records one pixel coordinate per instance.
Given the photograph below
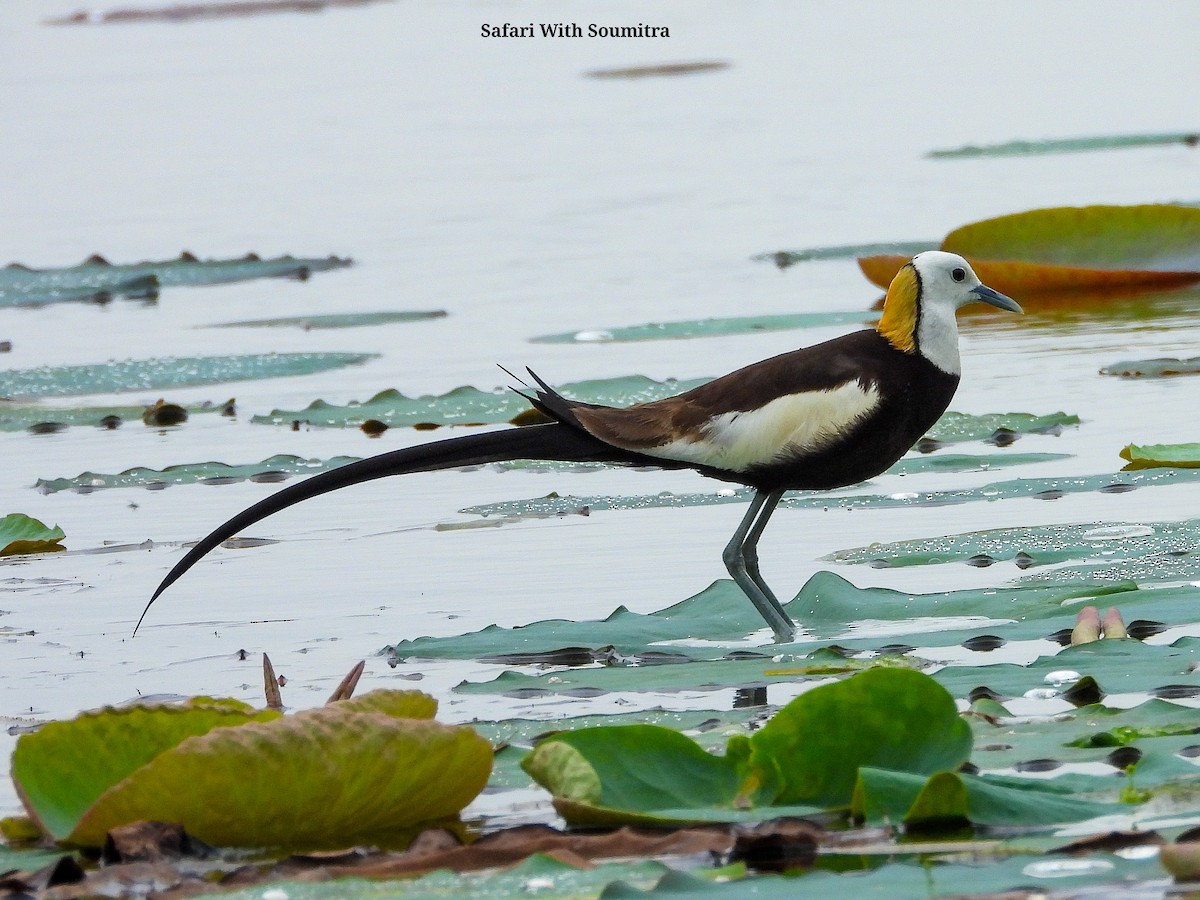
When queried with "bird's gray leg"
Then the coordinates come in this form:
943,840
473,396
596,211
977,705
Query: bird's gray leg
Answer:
741,559
750,545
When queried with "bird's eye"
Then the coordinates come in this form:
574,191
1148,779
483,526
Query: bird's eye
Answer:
958,274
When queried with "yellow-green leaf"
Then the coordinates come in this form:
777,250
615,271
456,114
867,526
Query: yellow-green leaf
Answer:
320,779
20,533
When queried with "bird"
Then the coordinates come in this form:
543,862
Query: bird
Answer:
817,418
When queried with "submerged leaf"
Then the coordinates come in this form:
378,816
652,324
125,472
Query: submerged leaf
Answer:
22,416
1186,456
167,372
905,249
97,279
20,533
1068,145
469,405
337,320
272,469
1163,367
698,328
1073,248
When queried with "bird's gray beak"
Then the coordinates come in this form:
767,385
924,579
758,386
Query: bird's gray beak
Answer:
995,298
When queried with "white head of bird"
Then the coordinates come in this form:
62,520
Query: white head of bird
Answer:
919,310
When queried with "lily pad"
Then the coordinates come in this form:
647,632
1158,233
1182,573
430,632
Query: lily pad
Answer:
167,372
785,258
882,796
1035,545
1073,248
468,405
1048,489
539,875
699,328
272,469
1150,456
320,779
61,769
365,768
809,753
97,279
1163,367
20,533
1068,145
716,622
20,416
337,320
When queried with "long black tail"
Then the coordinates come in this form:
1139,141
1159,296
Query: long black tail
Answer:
551,442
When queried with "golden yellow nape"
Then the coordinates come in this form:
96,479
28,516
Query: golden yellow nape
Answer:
899,320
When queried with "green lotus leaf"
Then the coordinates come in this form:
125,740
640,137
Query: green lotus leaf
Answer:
632,768
946,797
167,372
320,779
337,320
62,768
20,533
892,719
1185,456
807,756
97,279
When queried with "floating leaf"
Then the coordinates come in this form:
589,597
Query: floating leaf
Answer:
883,796
20,533
468,405
337,320
61,769
893,719
808,754
954,426
97,279
272,469
904,249
22,416
1186,456
1163,367
167,372
1068,145
1073,248
541,874
1035,488
1040,545
321,779
697,328
183,12
659,70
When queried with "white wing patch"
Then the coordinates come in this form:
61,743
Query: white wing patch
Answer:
795,425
